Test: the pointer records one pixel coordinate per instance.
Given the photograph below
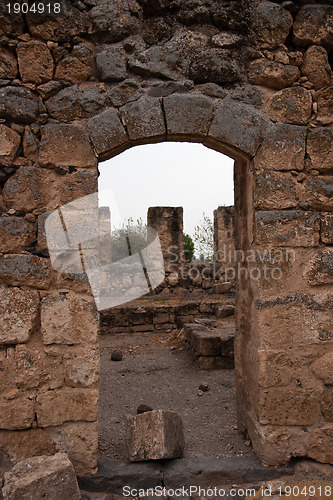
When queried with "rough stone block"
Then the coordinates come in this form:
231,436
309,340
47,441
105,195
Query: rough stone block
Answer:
30,145
42,477
15,234
106,131
326,404
60,27
322,368
273,24
9,144
313,25
111,63
319,270
224,311
326,230
26,444
275,191
324,98
320,148
25,189
292,105
18,314
166,62
78,66
68,319
187,114
64,145
272,74
203,341
316,67
113,20
77,101
77,185
18,104
29,270
8,64
80,441
299,406
287,228
155,435
283,148
214,65
144,118
35,62
238,125
81,368
17,413
65,405
320,446
318,193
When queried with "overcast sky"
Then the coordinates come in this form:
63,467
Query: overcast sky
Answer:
166,174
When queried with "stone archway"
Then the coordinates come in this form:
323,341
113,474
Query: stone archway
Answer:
54,138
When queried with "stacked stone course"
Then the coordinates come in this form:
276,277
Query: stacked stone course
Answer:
250,79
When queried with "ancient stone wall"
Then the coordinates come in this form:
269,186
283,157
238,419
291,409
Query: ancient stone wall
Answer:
248,78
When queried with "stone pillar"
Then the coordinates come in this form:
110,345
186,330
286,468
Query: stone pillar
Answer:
168,222
224,241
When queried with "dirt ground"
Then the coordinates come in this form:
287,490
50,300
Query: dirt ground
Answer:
157,370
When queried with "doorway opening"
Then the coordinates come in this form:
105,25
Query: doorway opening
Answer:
154,349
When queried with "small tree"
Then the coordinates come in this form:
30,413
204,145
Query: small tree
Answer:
128,239
204,238
188,248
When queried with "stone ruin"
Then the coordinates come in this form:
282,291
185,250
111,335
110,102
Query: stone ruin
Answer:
251,79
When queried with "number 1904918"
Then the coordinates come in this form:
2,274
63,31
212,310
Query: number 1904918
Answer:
36,8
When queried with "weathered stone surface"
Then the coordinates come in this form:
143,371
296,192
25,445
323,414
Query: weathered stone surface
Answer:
8,64
322,368
319,270
77,101
166,61
188,114
324,98
239,126
127,91
30,144
81,368
292,105
299,408
78,66
316,67
24,190
67,404
68,319
319,192
214,65
18,314
18,104
287,228
57,28
111,63
17,413
275,191
225,39
319,148
9,144
283,148
113,21
144,118
326,230
272,74
11,25
35,62
80,441
320,446
42,477
155,435
313,25
64,145
106,131
24,269
77,185
15,234
273,25
26,444
326,404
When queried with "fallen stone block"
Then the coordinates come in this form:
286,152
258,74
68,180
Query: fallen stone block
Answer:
50,478
155,435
